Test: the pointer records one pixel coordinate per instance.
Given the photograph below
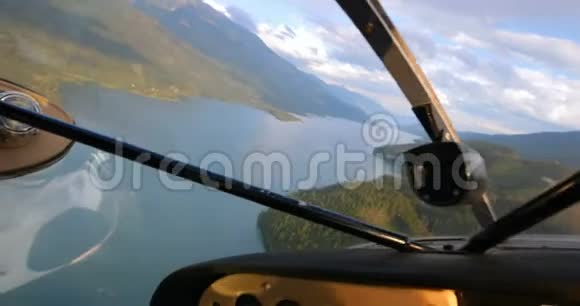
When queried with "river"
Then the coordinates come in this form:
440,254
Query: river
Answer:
136,230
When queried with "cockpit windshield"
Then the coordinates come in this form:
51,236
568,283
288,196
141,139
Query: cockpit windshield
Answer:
285,95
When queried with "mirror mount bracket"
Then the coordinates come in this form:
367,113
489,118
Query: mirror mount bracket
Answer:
445,174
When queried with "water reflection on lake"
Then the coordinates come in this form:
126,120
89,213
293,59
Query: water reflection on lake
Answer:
155,230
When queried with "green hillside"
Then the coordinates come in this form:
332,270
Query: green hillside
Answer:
387,208
512,177
108,42
279,82
513,181
166,49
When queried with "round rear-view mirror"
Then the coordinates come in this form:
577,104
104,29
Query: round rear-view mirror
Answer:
445,173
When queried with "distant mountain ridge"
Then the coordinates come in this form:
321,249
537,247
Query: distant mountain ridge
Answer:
169,4
563,147
281,83
166,49
368,105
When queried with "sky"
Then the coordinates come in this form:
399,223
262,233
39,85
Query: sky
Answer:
498,66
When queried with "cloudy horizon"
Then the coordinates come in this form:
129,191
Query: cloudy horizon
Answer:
498,67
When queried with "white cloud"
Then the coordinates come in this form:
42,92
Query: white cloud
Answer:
339,70
495,9
464,77
304,44
557,99
528,81
314,48
468,121
466,40
218,7
518,95
333,70
490,78
558,52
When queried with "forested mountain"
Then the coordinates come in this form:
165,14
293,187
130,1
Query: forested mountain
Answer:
279,82
110,43
387,208
512,181
168,49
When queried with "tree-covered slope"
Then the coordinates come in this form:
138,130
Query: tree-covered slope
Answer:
513,180
168,49
387,208
108,42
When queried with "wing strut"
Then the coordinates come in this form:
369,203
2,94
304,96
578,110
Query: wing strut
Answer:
384,38
380,32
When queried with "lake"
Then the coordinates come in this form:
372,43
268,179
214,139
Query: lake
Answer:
80,233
